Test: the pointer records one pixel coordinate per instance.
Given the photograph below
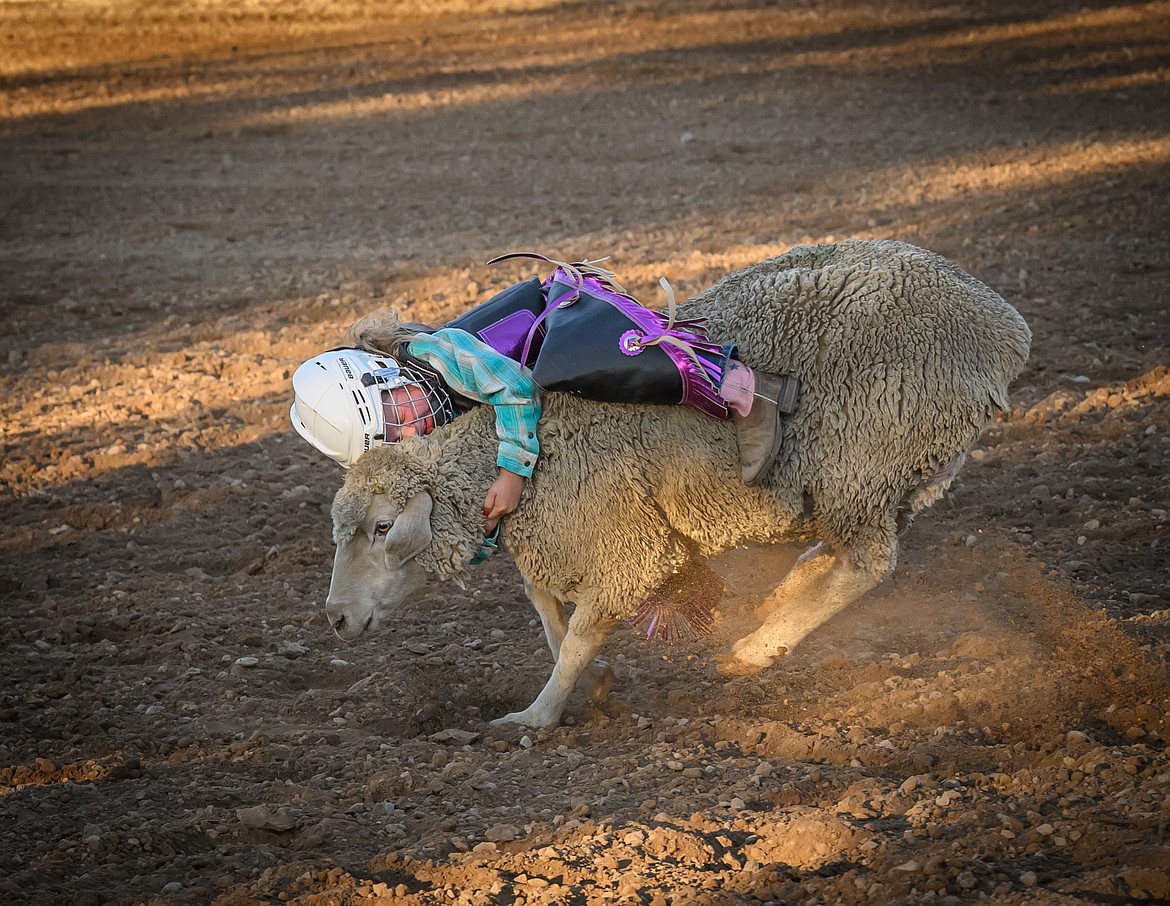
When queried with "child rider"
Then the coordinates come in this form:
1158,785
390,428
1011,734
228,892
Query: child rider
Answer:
394,379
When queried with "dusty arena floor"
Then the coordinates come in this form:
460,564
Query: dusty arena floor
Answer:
196,196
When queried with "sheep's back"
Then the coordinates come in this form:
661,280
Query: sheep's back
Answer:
863,302
900,355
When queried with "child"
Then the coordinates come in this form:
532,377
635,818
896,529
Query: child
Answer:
395,379
349,399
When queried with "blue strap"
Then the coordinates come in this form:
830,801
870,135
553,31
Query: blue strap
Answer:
490,544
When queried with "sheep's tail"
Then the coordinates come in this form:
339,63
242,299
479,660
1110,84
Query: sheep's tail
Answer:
382,332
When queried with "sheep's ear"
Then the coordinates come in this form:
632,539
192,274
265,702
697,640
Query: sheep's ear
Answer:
411,533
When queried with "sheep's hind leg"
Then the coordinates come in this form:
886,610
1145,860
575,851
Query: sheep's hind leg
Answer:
580,646
809,567
551,609
820,585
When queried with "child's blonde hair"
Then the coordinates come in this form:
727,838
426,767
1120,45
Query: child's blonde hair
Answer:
380,331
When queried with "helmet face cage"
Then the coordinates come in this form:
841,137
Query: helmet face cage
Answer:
411,400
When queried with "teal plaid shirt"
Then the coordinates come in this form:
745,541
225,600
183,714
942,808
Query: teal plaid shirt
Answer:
477,371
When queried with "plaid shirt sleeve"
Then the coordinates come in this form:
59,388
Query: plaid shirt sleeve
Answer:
480,373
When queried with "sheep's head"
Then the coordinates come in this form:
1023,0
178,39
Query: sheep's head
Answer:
396,522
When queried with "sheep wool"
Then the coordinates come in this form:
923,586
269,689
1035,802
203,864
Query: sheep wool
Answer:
902,358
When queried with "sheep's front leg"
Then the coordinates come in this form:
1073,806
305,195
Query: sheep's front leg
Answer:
551,610
581,645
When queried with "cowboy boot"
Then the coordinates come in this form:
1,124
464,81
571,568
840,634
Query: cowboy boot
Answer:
758,432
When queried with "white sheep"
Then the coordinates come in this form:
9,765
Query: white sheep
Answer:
901,357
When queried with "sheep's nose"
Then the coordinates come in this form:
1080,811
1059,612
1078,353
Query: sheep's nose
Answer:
337,621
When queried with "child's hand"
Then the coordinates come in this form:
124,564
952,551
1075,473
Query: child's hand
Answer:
502,498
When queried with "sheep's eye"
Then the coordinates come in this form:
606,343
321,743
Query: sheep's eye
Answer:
381,528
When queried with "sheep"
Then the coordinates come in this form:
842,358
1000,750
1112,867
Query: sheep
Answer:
902,359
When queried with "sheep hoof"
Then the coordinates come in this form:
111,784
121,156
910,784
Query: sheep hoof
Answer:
733,666
742,661
524,719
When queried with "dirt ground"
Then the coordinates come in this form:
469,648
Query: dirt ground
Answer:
195,197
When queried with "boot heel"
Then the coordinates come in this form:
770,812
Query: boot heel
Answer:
788,395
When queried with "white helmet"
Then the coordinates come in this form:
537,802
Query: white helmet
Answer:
347,400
